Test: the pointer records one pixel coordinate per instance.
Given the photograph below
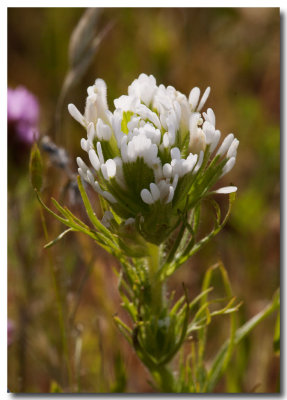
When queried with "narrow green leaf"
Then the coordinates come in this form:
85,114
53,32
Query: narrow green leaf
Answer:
215,371
63,220
90,212
197,298
169,269
124,329
58,238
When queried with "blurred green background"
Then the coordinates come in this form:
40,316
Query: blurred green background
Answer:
236,51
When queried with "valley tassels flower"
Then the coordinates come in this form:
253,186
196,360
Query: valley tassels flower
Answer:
154,158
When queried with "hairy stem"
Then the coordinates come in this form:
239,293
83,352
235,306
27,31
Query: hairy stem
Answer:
157,291
164,379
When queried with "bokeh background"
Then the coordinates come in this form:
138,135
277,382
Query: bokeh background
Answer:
236,51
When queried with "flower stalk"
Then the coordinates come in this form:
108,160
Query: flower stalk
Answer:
157,290
154,162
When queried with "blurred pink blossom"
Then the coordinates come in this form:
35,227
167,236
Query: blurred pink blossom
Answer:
23,114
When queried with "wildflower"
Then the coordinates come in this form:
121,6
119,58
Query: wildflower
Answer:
23,114
154,158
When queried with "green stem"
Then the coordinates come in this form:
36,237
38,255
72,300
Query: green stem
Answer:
164,379
156,285
161,374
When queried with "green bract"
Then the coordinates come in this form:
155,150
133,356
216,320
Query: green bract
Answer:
154,158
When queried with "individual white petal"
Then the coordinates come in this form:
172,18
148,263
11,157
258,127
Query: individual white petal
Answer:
98,188
84,144
150,153
147,197
215,141
108,196
197,141
91,179
163,118
133,123
199,162
75,113
101,88
176,167
175,182
232,151
209,116
172,122
194,122
104,132
82,164
116,121
124,149
91,109
91,132
100,153
175,153
156,137
96,102
82,174
179,107
228,166
189,163
111,168
226,190
131,152
209,131
152,116
194,98
94,159
164,189
167,170
203,99
170,194
154,191
104,171
225,145
165,140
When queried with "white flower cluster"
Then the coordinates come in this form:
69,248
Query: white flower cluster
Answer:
152,145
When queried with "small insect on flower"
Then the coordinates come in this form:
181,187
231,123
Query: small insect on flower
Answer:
154,157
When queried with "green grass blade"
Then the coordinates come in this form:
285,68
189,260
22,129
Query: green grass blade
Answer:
216,368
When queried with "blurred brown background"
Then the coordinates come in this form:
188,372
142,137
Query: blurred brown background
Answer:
236,51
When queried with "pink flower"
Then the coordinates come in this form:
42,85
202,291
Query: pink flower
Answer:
23,114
